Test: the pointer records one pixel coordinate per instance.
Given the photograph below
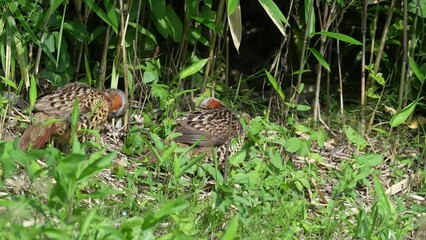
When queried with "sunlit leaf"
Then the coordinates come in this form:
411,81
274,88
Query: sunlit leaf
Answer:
384,204
33,91
340,37
195,67
293,144
276,85
275,14
234,20
231,230
369,160
101,14
403,115
320,58
8,82
355,137
420,76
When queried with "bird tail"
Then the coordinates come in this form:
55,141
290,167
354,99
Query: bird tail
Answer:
36,136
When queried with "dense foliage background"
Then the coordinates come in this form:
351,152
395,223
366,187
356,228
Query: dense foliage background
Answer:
335,146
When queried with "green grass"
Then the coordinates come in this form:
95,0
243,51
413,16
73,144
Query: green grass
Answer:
270,192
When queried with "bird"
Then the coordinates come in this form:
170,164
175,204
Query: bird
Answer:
212,125
52,118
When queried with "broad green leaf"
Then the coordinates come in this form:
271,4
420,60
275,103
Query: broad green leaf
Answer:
340,37
174,206
33,92
276,85
112,12
371,93
195,67
421,11
309,9
275,14
174,24
78,31
234,20
320,58
385,206
101,14
369,160
158,7
303,108
378,77
237,158
355,137
144,31
150,76
403,115
86,221
8,82
256,125
416,70
196,34
276,158
293,144
232,5
97,164
231,231
74,119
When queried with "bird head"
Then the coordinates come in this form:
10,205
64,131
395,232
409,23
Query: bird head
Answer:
211,103
119,102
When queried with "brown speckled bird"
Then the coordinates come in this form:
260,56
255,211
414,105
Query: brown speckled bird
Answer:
213,125
52,119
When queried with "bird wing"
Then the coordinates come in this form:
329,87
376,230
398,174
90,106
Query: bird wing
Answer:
60,103
210,126
192,135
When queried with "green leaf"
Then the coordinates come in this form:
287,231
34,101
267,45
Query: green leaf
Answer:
232,5
195,67
174,206
320,58
378,77
355,137
231,231
167,21
96,164
9,82
150,76
275,14
421,11
371,93
293,144
74,119
237,158
174,23
403,115
385,206
33,91
102,15
87,220
196,34
158,7
340,37
276,158
276,85
417,70
234,20
369,160
309,9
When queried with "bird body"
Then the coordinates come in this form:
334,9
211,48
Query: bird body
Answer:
213,125
52,119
